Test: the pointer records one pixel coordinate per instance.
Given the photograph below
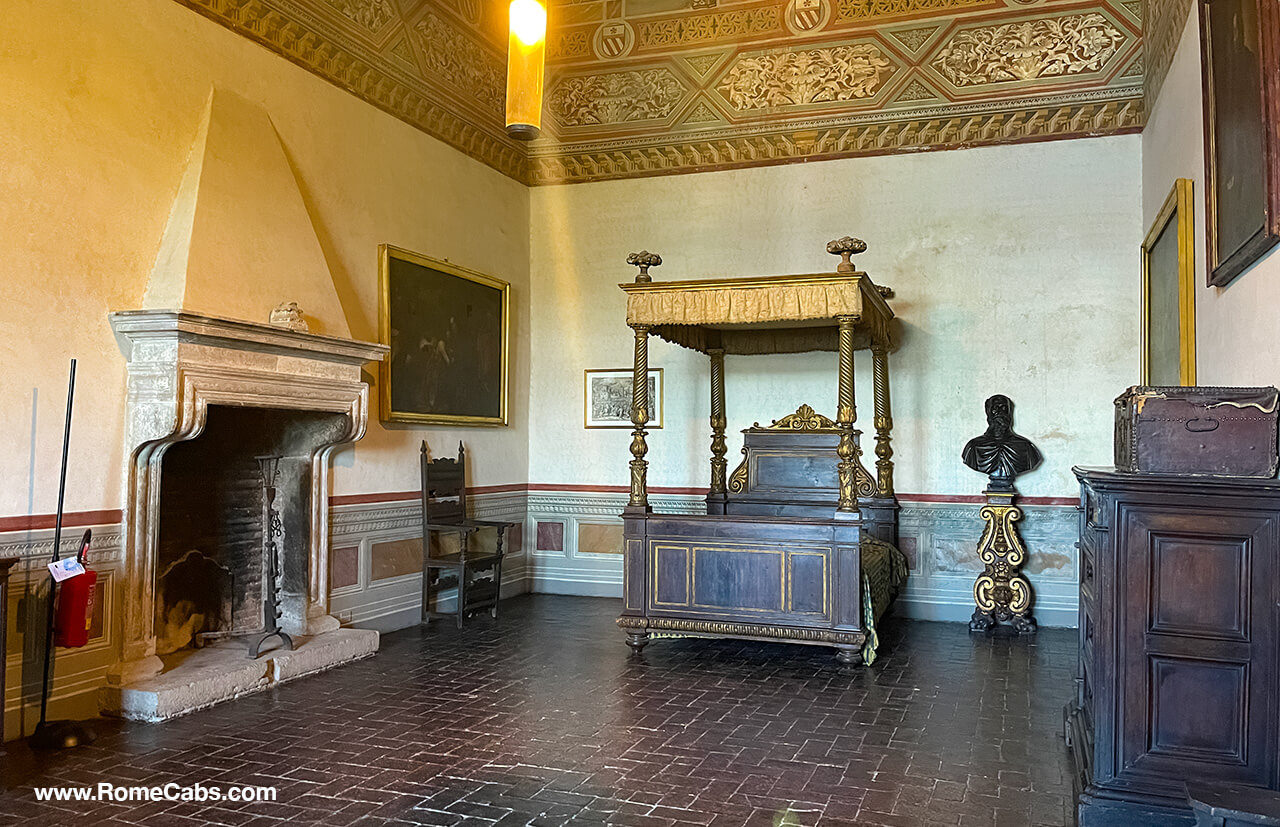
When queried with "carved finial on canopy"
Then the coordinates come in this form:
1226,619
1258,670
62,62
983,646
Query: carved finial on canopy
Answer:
644,260
845,247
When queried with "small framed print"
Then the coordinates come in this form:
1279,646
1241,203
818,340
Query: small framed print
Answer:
607,398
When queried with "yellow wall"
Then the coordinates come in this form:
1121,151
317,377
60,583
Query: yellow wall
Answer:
101,105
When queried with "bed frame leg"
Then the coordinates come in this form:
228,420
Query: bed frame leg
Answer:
849,655
637,641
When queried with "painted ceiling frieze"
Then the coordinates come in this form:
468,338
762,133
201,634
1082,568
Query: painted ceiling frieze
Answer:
371,14
1057,46
916,91
463,63
793,78
569,45
652,87
1163,21
839,78
732,26
616,97
804,16
703,64
913,39
858,10
728,150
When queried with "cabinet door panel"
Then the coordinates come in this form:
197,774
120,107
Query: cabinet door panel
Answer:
1198,667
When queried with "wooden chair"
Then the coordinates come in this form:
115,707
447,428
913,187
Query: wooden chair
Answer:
444,512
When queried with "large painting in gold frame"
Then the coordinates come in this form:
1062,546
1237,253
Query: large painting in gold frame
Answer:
1169,292
448,330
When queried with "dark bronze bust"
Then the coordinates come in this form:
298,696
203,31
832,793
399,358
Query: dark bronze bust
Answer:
1000,452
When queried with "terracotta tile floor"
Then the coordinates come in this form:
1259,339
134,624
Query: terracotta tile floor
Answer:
542,718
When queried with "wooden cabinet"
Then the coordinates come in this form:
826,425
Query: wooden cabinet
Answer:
1178,636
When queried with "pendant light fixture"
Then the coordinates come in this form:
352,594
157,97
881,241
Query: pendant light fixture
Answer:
526,51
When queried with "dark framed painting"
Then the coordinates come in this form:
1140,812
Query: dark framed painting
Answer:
1169,292
447,328
1240,51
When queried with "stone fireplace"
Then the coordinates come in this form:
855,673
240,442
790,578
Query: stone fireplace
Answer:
207,396
211,567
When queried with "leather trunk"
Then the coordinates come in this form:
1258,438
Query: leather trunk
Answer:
1228,432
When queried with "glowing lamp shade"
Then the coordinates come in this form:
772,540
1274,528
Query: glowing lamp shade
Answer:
526,50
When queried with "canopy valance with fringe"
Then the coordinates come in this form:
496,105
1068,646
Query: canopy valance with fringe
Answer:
770,314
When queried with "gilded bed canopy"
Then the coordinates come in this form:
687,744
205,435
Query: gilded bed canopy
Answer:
840,312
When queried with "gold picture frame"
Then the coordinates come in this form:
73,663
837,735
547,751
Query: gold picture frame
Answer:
455,372
606,398
1169,292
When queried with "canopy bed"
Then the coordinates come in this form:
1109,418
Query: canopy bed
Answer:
796,545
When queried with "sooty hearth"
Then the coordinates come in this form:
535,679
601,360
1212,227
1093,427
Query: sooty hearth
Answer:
211,558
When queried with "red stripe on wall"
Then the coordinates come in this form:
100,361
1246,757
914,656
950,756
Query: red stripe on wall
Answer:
36,522
497,489
614,489
515,487
383,497
978,498
398,496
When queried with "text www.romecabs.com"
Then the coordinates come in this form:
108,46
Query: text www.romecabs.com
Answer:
106,791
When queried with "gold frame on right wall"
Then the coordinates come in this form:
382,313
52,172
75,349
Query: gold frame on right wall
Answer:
1178,207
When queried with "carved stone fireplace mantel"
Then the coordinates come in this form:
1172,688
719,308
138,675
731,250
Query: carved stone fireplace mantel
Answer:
179,365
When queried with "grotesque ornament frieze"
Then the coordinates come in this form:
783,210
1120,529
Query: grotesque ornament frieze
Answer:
616,97
837,73
1029,49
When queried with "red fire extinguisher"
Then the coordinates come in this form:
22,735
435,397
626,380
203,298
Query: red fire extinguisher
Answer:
75,603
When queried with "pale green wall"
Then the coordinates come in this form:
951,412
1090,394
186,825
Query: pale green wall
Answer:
1016,272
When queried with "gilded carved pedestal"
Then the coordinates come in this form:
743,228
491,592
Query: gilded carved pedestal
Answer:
1001,592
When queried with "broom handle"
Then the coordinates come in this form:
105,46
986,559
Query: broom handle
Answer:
57,544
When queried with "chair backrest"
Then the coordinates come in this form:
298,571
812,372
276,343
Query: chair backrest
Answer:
444,488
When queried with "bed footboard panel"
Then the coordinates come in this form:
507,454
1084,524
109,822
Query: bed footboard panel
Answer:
741,577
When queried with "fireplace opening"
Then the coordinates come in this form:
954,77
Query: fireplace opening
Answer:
211,563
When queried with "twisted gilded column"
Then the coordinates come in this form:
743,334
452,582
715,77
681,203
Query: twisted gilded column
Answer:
884,421
639,416
846,416
719,465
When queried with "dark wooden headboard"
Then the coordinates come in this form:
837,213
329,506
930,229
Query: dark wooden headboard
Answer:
789,469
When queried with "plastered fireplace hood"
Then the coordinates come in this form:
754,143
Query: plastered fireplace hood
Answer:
239,239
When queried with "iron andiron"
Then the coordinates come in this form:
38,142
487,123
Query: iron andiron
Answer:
1001,592
271,574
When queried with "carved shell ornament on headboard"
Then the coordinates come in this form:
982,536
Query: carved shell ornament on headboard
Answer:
804,419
